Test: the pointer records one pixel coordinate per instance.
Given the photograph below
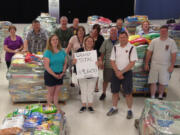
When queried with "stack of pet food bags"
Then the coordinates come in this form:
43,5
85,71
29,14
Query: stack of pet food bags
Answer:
26,79
105,24
131,22
140,77
160,118
174,32
4,26
47,22
36,119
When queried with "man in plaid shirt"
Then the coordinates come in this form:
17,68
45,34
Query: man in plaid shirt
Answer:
36,39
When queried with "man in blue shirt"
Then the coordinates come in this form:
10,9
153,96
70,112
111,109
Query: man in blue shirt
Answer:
119,25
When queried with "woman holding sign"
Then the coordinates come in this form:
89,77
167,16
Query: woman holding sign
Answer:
55,67
87,84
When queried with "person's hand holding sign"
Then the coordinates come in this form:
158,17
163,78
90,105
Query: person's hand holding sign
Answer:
97,63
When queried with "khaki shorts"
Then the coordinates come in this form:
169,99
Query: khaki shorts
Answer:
159,74
107,74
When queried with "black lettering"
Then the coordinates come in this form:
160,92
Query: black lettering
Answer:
83,54
83,60
89,71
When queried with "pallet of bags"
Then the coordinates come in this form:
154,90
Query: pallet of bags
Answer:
22,86
159,118
140,77
35,119
30,87
26,80
4,26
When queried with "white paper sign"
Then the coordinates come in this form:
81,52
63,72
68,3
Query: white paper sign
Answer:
54,8
86,64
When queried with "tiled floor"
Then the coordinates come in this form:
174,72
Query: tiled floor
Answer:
97,123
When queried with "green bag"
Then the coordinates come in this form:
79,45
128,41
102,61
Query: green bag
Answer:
34,107
151,36
48,109
43,132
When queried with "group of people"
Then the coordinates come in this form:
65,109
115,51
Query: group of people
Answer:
116,56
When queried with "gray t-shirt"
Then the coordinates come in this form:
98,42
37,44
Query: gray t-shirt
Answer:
37,42
162,51
106,49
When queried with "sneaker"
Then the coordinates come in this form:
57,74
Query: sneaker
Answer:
79,92
72,85
160,98
91,109
83,109
102,97
129,115
112,111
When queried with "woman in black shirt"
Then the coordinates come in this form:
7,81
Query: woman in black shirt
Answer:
99,39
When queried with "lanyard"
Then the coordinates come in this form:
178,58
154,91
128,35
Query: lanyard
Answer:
81,44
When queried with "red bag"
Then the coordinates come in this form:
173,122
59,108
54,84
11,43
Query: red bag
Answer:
30,58
139,41
104,20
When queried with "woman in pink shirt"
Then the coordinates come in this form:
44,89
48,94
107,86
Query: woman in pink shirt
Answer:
75,43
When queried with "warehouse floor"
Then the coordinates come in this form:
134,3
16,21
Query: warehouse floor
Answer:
87,123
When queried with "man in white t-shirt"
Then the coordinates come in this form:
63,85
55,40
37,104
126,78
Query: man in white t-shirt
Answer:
162,52
123,58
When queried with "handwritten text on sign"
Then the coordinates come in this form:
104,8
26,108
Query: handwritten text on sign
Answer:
86,64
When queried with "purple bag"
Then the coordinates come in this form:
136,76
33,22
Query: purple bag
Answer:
176,26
